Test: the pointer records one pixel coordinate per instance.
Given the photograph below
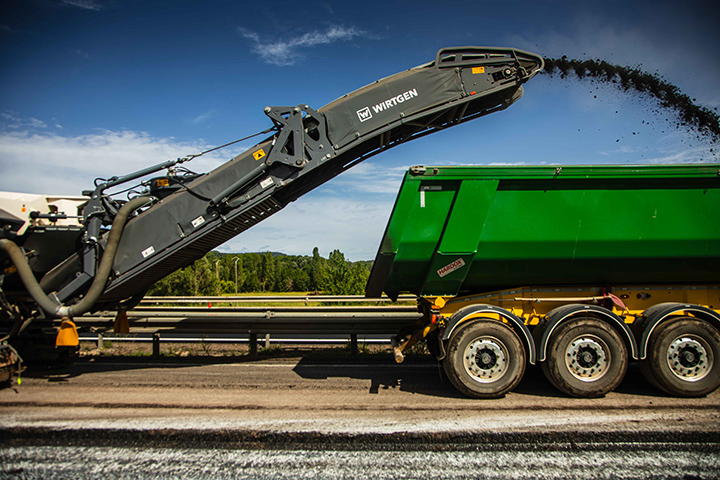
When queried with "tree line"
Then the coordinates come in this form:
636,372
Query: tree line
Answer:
218,274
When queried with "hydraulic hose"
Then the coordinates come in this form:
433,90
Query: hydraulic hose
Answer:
49,305
27,276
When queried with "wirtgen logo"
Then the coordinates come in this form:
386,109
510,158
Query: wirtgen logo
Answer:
394,101
364,114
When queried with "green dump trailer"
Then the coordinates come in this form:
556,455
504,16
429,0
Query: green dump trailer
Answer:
579,268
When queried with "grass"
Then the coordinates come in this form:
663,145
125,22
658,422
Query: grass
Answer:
271,351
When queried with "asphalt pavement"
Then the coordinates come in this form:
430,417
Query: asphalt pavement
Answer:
363,417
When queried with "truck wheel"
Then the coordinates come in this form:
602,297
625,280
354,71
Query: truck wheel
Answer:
586,358
683,357
485,359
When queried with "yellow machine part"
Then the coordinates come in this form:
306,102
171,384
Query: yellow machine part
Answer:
532,304
67,336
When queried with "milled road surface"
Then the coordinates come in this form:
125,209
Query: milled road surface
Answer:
339,418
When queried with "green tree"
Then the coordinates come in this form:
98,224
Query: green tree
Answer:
267,272
344,277
215,273
178,283
317,271
301,280
204,280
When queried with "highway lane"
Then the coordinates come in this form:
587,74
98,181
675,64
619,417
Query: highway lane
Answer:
339,418
326,395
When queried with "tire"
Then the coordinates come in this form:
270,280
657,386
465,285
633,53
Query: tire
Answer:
683,357
586,358
485,359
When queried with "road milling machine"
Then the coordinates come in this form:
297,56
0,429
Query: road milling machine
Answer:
64,256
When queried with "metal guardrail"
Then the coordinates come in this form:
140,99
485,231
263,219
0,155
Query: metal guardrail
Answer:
206,323
275,299
264,321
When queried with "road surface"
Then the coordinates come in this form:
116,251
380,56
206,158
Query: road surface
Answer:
338,418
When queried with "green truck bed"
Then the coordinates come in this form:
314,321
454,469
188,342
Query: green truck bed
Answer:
457,230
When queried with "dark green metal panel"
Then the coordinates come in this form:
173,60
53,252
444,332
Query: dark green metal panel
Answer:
487,228
423,230
454,255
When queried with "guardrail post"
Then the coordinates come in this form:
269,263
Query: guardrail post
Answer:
253,344
156,344
100,341
267,340
353,344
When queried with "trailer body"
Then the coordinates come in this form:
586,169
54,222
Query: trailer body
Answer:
458,230
542,249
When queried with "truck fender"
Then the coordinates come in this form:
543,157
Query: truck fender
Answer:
544,331
654,315
475,311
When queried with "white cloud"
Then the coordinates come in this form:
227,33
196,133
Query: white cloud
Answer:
40,162
14,121
79,53
508,164
673,148
14,30
370,178
285,52
83,4
329,222
682,154
622,150
35,123
349,213
203,117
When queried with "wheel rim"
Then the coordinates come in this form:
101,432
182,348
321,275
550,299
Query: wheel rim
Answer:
587,358
688,358
486,359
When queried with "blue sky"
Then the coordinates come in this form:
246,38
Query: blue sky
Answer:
93,88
